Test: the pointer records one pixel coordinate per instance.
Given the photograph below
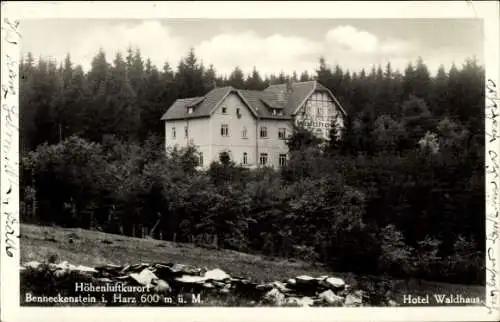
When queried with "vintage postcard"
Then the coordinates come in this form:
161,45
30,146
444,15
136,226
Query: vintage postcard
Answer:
250,160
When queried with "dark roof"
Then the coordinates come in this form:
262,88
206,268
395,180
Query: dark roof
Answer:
179,110
283,97
294,98
254,98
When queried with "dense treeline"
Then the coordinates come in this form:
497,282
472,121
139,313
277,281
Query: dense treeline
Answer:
401,193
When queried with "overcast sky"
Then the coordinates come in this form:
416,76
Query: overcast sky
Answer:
270,45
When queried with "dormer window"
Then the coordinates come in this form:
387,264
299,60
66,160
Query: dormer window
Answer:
190,110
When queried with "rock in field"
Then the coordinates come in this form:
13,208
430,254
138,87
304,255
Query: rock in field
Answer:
303,290
161,286
274,297
217,275
306,280
189,279
208,285
145,277
353,300
281,287
306,301
33,264
186,270
330,298
264,287
334,282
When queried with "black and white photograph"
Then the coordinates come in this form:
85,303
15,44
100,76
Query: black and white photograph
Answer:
251,162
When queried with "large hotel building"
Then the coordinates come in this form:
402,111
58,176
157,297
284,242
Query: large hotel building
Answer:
251,126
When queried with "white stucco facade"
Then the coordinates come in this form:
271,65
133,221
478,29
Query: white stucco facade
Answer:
232,126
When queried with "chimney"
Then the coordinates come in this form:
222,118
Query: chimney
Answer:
289,86
214,84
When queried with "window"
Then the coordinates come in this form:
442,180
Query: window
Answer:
274,111
282,160
282,133
263,132
224,110
244,132
238,113
200,162
186,131
224,130
190,110
263,159
173,132
245,158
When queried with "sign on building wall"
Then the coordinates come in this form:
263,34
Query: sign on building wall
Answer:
318,115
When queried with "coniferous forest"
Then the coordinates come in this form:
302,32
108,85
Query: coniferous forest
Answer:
401,194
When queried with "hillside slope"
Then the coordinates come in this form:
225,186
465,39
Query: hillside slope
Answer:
92,248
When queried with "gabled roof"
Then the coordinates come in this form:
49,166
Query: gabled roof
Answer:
287,99
294,98
179,110
254,98
320,87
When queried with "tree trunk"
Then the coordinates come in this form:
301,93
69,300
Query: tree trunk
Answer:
216,241
154,227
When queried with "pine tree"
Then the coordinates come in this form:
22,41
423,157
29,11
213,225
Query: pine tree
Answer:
438,100
409,75
169,88
99,74
421,80
97,112
210,78
282,78
121,106
73,98
388,98
324,74
255,82
189,76
237,78
27,106
472,82
336,81
136,72
47,95
304,76
157,94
